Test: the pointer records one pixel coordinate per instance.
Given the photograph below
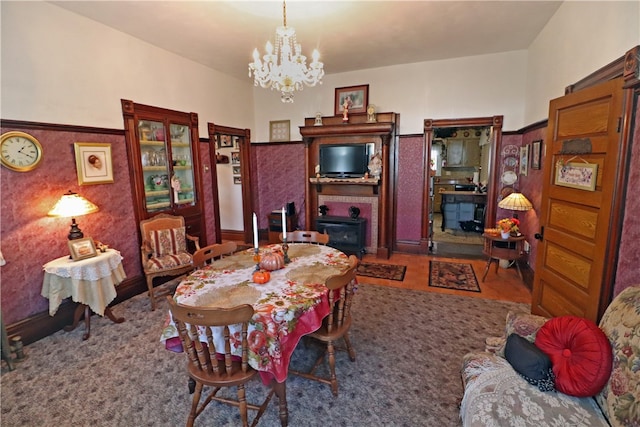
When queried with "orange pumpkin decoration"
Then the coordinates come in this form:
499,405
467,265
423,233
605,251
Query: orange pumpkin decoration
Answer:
261,277
272,261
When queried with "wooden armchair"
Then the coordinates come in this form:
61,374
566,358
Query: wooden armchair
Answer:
208,254
301,236
164,251
336,325
213,366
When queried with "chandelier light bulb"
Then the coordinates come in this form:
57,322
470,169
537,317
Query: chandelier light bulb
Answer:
285,69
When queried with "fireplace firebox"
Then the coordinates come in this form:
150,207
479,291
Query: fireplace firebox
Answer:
346,234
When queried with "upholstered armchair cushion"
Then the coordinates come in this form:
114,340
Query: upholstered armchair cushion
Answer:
168,261
524,324
168,242
619,399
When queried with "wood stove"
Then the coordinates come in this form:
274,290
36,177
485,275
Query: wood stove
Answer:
345,234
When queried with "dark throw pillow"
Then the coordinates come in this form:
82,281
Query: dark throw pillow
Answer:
530,362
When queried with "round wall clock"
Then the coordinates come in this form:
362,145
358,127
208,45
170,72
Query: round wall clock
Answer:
20,151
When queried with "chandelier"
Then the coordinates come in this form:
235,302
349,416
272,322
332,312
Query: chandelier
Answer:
285,69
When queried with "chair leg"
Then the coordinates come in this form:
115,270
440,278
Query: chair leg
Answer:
151,295
350,349
242,403
194,405
332,367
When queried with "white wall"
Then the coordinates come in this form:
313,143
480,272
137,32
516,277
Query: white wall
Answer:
475,86
579,39
59,67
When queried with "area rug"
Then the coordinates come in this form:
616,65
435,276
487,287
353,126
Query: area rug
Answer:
453,275
382,271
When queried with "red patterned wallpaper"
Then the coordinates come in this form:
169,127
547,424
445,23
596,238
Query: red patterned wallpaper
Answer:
278,177
30,238
411,169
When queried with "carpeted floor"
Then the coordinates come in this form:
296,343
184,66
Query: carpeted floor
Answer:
453,275
407,373
382,271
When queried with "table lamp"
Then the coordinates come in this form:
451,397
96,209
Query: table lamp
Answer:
71,205
515,202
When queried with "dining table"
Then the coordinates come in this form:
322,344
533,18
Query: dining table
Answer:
291,304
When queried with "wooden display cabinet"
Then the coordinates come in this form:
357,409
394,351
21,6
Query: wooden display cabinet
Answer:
163,151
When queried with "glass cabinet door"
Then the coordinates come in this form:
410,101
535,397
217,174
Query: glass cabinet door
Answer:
155,164
182,180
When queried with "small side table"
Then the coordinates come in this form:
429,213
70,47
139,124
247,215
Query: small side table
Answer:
90,282
512,251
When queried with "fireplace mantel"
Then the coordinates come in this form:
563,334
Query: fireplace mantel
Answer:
382,133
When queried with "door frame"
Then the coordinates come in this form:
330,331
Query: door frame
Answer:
245,164
494,122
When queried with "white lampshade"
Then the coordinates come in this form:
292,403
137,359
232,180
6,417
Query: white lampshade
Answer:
71,205
515,202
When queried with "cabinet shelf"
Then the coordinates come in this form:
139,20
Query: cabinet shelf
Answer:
156,206
179,144
152,143
156,193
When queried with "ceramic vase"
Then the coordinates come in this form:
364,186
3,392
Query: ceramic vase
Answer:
505,234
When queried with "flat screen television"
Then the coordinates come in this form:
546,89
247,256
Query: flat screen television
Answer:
344,160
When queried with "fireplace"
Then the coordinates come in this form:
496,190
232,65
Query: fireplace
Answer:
346,234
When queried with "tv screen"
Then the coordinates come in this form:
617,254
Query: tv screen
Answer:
344,161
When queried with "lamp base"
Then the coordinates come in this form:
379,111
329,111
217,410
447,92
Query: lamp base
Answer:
75,232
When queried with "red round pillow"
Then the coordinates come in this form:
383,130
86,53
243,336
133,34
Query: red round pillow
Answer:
580,354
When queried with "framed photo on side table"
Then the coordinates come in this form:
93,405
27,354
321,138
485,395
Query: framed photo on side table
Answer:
536,154
93,163
356,96
82,248
279,130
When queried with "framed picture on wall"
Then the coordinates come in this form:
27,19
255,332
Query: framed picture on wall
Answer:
357,97
225,141
536,154
237,180
524,160
236,170
235,157
93,163
279,130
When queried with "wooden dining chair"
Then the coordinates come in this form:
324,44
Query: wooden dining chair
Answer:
212,366
336,325
164,251
302,236
210,253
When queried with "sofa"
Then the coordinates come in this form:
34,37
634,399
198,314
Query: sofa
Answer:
496,395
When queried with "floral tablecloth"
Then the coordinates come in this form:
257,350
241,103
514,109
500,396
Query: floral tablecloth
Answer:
292,304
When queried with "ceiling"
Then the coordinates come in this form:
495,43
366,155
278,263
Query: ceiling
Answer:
350,35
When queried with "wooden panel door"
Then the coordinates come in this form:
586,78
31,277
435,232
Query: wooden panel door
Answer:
576,223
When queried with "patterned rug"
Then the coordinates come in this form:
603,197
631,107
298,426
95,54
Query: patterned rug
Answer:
453,275
382,271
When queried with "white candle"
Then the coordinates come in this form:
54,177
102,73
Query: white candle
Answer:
255,231
284,224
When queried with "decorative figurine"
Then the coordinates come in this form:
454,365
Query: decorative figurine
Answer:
318,121
323,209
371,114
375,165
345,109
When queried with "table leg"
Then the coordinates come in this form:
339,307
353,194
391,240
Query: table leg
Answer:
87,319
112,317
281,391
486,269
76,319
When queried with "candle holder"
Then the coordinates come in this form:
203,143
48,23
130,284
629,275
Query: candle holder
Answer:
256,258
285,251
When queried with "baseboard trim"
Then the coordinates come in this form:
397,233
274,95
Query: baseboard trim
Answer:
42,324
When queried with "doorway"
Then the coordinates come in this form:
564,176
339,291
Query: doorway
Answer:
461,154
